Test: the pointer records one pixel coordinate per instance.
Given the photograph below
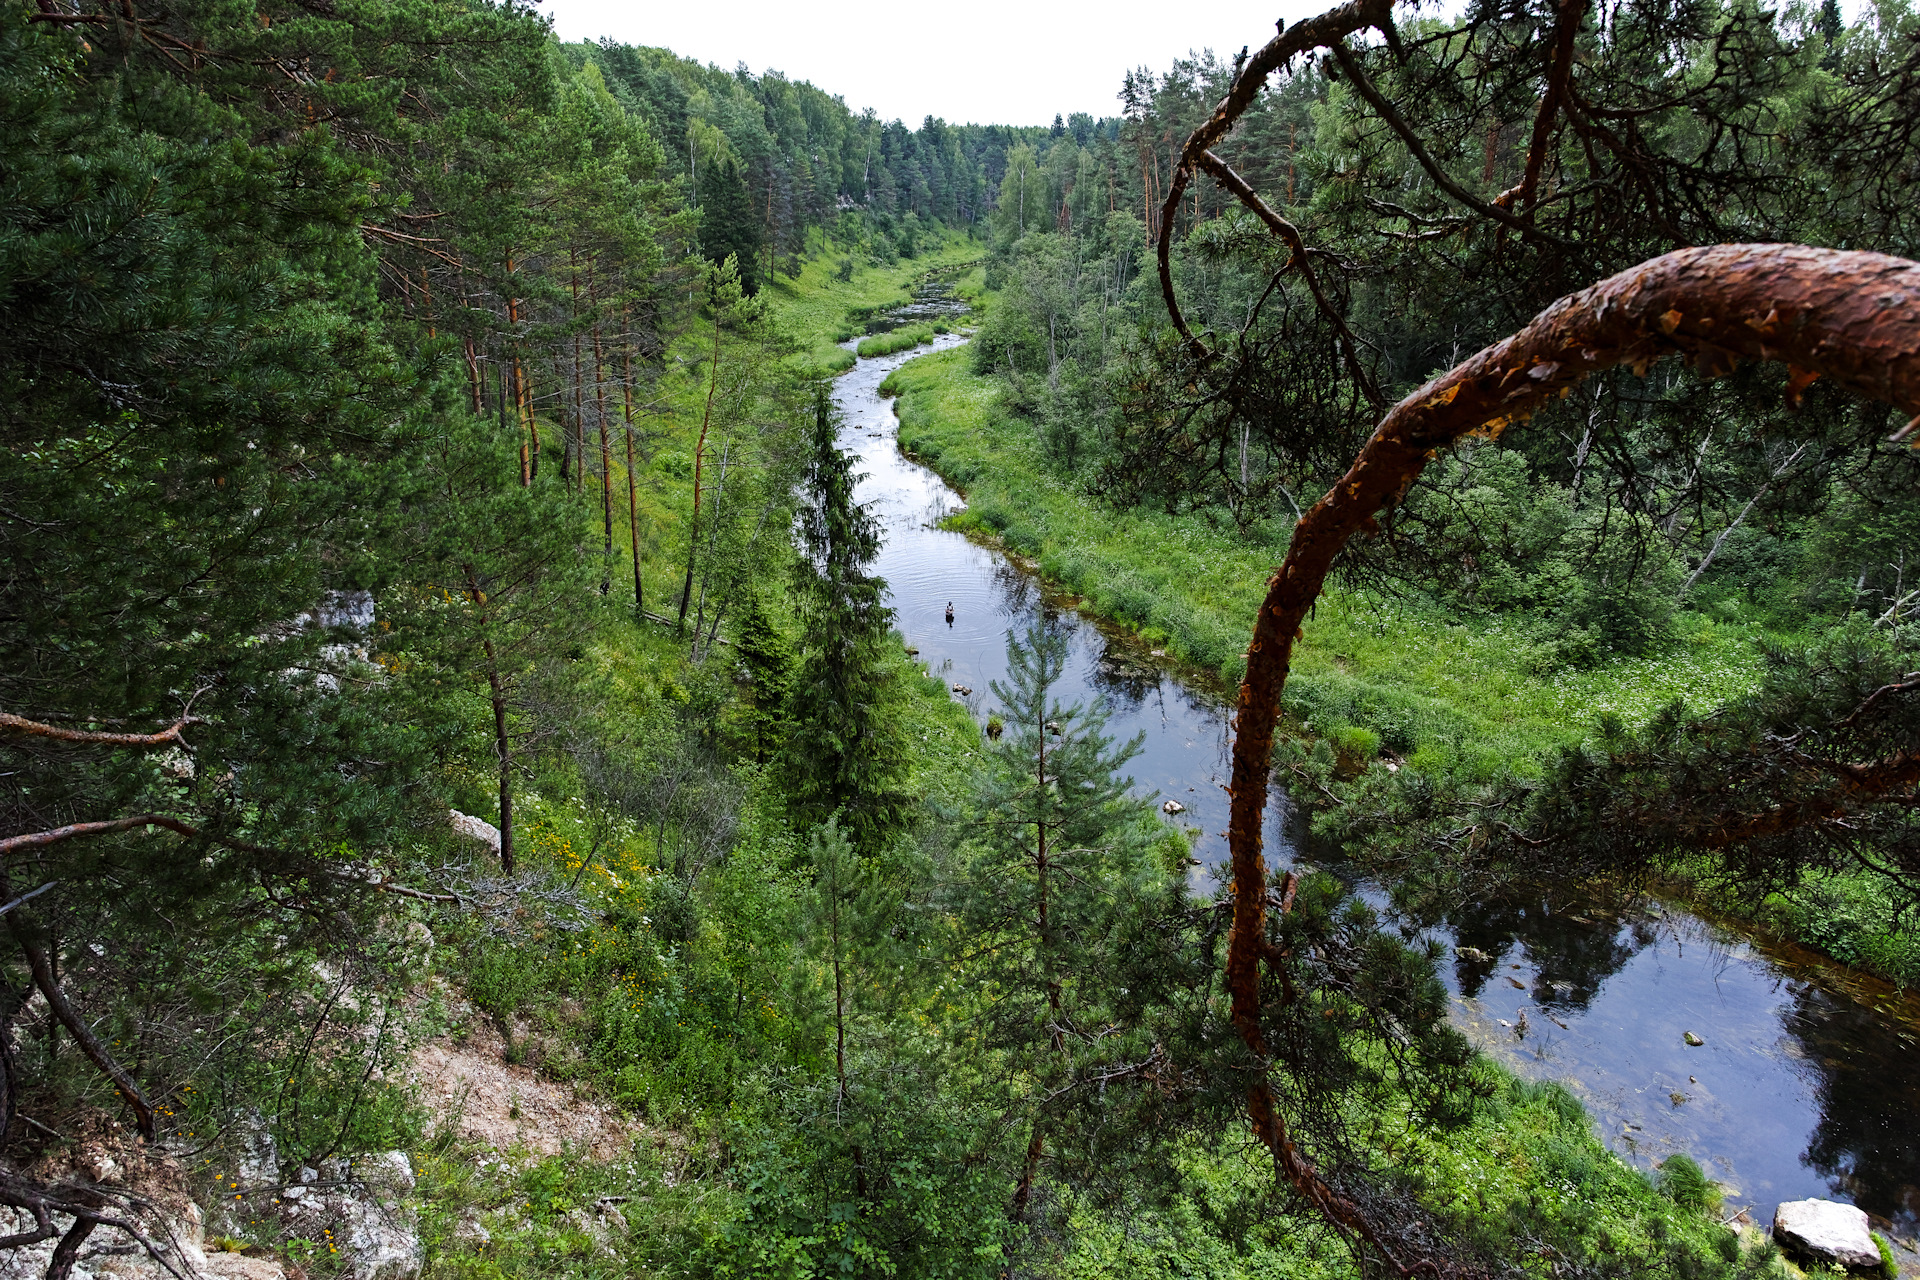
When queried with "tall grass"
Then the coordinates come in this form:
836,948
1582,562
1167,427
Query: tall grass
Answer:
904,338
1471,693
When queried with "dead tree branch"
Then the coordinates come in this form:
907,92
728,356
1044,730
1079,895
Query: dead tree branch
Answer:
34,729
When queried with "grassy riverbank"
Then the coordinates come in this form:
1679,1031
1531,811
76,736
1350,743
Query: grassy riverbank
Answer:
814,306
641,1010
1465,697
1452,694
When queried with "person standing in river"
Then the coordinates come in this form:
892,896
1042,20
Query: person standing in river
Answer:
949,613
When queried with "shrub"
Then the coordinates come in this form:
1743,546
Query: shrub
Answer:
1022,538
994,517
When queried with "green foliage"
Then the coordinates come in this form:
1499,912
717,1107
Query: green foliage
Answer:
903,339
729,227
878,1184
1889,1265
1683,1182
842,753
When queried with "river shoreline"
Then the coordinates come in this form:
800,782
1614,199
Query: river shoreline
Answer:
1803,1071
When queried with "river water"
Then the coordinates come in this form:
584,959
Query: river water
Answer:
1806,1082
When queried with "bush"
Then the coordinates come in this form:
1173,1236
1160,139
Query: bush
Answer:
1022,538
994,517
1355,745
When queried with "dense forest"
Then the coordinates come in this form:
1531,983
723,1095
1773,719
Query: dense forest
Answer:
468,808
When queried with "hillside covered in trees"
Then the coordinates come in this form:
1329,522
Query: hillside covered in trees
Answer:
467,807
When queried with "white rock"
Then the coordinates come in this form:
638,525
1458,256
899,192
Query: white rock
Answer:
475,829
258,1159
1172,807
381,1243
471,1232
388,1174
1827,1231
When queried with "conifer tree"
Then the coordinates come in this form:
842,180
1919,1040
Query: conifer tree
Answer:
844,751
729,223
766,662
1060,875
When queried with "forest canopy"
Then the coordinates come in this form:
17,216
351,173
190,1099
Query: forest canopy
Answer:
440,615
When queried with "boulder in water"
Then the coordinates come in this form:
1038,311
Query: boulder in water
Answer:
1172,807
1826,1232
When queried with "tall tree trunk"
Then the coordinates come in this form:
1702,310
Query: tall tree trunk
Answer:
699,451
1043,949
713,541
474,378
606,452
576,447
633,494
522,410
503,749
502,743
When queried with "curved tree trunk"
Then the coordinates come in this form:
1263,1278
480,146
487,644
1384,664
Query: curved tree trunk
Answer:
1851,317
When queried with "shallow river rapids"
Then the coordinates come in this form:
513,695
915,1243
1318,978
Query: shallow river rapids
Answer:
1806,1081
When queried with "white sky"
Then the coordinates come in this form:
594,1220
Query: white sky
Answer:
980,61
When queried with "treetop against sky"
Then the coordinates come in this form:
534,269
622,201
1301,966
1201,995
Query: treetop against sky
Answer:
995,62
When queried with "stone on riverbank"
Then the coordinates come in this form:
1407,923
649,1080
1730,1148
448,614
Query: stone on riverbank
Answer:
1826,1232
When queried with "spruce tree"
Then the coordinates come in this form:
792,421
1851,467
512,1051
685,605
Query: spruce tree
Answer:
845,753
729,225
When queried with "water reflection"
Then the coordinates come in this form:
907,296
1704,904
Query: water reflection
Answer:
1576,948
1794,1089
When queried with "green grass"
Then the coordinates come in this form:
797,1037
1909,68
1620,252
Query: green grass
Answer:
1462,690
902,339
813,307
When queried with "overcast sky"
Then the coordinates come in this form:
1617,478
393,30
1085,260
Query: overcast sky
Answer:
985,61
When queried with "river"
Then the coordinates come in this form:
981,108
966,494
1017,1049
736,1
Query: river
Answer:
1807,1079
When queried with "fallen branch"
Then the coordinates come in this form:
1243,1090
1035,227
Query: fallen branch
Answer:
34,729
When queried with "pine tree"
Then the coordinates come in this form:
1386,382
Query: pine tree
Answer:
766,664
1062,875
